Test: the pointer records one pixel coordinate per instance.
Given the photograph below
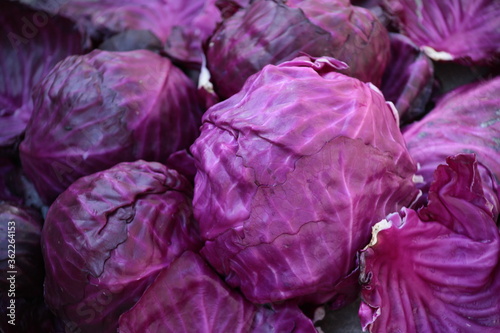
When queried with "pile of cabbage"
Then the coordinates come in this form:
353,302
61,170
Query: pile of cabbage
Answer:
250,166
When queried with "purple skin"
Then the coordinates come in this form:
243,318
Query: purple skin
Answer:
466,120
109,235
366,3
271,32
359,38
456,30
275,173
183,162
408,79
97,110
266,32
182,27
188,296
31,43
436,269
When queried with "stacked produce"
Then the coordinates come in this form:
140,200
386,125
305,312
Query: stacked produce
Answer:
249,166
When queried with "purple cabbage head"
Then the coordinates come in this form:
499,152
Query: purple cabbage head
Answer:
229,7
271,32
466,120
289,185
358,37
96,110
108,236
265,32
188,296
31,43
182,27
375,6
20,232
436,269
409,78
453,30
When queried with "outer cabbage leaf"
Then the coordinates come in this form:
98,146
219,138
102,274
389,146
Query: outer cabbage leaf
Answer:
409,78
320,158
183,162
188,296
266,32
375,6
22,228
108,236
437,269
96,110
31,43
466,120
194,23
358,38
457,30
270,32
182,26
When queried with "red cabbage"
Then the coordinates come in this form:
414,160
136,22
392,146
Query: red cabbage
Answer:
108,236
436,269
96,110
31,43
319,158
454,30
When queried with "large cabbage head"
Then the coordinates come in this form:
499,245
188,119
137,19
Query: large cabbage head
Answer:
31,43
466,120
107,237
96,110
453,30
436,269
292,173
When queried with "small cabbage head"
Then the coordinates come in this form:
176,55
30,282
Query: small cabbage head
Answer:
96,110
108,236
